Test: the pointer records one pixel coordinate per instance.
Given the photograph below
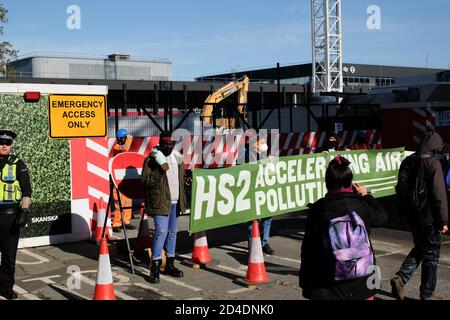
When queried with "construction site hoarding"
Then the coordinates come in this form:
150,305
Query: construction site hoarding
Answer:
56,215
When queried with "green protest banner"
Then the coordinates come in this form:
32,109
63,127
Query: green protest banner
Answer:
272,187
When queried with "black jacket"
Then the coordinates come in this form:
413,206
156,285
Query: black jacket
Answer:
157,190
316,276
436,211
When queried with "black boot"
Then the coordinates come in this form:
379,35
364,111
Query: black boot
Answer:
154,271
171,270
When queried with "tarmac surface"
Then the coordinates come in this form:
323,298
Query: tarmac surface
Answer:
68,271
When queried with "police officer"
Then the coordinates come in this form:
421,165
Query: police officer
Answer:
15,200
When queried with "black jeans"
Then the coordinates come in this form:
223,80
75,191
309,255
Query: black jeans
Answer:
9,240
427,247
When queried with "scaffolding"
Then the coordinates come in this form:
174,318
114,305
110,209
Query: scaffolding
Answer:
326,46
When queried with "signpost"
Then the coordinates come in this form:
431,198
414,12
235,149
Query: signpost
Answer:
77,116
125,171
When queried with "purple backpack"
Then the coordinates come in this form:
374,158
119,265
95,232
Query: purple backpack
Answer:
350,247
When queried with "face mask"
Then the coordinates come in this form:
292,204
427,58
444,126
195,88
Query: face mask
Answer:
263,148
332,144
166,151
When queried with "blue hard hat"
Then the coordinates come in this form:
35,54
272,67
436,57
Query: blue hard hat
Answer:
121,133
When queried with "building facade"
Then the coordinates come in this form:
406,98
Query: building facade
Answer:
356,76
114,67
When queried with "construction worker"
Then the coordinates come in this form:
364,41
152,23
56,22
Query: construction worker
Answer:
15,200
122,144
360,143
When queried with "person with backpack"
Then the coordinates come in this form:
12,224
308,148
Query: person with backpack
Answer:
336,253
423,202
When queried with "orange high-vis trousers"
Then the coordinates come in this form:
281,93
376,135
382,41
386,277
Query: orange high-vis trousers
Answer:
127,213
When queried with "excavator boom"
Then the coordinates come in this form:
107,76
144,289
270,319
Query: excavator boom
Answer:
240,86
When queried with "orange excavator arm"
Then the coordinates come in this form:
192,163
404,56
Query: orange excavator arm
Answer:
240,86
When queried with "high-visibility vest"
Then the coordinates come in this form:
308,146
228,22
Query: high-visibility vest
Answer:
9,185
119,148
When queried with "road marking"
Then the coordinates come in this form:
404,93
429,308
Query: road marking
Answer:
234,270
387,244
155,290
40,258
180,283
70,291
92,283
220,266
168,279
389,253
25,293
239,290
225,247
46,280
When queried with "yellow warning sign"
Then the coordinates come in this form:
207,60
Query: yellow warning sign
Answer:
75,116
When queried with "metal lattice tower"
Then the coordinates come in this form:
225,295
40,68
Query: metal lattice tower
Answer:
326,46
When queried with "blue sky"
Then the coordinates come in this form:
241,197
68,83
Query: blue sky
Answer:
209,36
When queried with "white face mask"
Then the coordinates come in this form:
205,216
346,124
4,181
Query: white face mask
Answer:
263,148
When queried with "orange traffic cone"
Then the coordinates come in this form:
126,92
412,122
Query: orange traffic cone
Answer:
104,287
256,272
100,223
143,241
200,254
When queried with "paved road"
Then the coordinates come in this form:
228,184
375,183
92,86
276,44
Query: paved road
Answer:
42,272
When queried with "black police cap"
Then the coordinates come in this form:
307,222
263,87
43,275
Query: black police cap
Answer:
7,135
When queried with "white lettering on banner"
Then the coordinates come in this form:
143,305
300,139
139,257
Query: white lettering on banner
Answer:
281,205
300,176
390,162
290,203
204,196
281,178
291,172
272,203
259,183
243,204
379,163
310,168
321,167
225,207
310,187
300,199
260,198
396,159
364,163
270,167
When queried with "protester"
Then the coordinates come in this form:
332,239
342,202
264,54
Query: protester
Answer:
427,225
122,144
163,179
360,142
257,149
338,224
331,143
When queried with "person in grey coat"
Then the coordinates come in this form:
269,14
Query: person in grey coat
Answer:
427,226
